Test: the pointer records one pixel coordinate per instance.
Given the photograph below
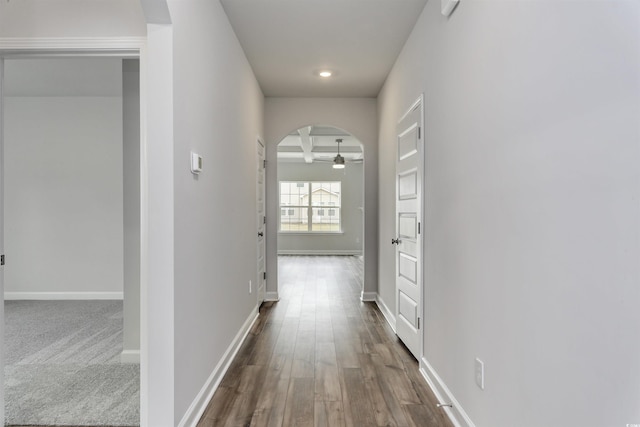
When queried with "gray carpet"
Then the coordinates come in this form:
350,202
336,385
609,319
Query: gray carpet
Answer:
62,365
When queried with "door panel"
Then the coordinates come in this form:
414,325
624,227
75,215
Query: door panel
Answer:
260,218
408,309
408,240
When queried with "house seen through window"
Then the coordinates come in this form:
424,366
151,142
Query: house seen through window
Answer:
310,206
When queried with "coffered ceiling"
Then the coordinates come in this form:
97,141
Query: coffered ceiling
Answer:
318,144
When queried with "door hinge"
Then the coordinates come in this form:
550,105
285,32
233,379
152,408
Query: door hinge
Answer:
419,132
418,228
1,259
264,219
418,323
264,164
264,275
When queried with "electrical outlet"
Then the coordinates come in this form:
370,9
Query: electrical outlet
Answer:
250,287
479,373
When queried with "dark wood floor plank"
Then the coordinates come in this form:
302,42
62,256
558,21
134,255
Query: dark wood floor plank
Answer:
270,406
238,409
321,357
299,408
264,344
327,384
220,406
421,416
304,355
361,408
328,414
400,384
388,411
324,330
286,341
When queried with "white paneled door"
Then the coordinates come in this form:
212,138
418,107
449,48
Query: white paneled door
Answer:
2,229
261,219
408,240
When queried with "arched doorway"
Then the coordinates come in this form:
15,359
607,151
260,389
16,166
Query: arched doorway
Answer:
357,117
320,193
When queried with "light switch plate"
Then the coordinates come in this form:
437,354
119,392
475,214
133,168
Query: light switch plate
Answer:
447,6
196,163
479,373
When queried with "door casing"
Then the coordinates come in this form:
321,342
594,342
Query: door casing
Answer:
130,47
261,282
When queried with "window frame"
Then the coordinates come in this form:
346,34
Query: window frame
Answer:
310,207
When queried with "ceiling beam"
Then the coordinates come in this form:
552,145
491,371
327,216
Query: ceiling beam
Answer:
290,149
306,143
343,149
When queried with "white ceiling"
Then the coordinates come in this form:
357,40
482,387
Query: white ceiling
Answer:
288,41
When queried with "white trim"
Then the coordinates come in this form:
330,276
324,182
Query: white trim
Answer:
8,296
66,45
388,315
318,252
456,414
198,406
367,296
130,356
271,296
310,233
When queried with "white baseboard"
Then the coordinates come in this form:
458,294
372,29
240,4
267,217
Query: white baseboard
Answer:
367,296
388,314
317,252
130,356
63,296
271,296
456,414
198,406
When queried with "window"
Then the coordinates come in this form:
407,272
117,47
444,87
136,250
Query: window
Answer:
302,206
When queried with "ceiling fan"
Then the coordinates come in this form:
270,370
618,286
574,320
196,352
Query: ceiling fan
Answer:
339,161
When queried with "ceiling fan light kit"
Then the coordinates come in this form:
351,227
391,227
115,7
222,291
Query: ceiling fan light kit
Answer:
338,160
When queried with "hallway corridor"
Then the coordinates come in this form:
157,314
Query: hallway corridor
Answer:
321,357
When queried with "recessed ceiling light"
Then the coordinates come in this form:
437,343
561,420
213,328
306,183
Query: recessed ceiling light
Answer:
325,73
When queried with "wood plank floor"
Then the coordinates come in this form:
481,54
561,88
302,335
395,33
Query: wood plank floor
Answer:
321,357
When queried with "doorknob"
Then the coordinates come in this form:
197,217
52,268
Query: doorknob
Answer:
395,241
260,234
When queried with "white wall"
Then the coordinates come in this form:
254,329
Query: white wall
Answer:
63,171
532,214
157,357
71,18
354,115
218,113
131,214
352,212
